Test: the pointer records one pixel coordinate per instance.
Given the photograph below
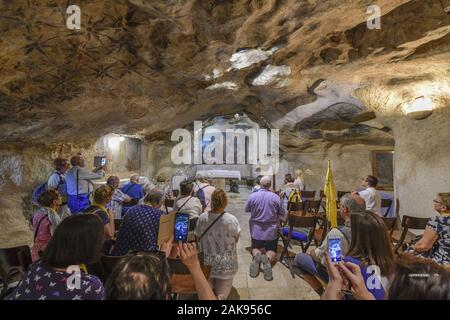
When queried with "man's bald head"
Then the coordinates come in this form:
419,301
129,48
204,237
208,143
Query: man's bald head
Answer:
77,160
266,182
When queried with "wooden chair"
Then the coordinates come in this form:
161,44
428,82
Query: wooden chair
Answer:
288,233
14,263
182,281
409,222
308,195
109,262
15,257
340,194
386,203
322,195
169,203
390,224
312,206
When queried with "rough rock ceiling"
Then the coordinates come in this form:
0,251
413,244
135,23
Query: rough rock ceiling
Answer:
147,67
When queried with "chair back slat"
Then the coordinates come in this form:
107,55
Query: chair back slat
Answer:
296,221
109,262
414,222
340,194
389,222
309,195
312,206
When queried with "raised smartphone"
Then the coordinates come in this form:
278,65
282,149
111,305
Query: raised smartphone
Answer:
334,249
181,227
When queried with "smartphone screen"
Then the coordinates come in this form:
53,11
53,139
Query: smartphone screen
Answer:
103,162
181,227
334,248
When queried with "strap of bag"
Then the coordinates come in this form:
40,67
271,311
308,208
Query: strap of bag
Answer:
78,171
130,187
190,197
38,225
209,227
345,236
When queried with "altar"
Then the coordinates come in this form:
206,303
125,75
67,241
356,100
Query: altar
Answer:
218,176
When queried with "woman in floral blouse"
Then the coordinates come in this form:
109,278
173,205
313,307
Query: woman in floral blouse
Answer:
435,242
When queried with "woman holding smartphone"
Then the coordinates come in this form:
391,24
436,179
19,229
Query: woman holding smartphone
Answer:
219,233
371,250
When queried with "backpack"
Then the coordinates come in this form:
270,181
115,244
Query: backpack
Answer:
295,197
200,194
62,189
37,193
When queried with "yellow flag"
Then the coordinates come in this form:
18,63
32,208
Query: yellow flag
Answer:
330,194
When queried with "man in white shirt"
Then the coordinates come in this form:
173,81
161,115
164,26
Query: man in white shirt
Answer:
370,194
187,203
78,182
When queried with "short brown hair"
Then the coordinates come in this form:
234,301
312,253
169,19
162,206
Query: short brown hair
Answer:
103,193
445,197
47,197
372,181
219,200
59,163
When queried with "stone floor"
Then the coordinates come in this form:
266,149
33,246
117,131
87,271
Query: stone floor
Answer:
282,287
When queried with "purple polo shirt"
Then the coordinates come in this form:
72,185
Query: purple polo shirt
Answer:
266,210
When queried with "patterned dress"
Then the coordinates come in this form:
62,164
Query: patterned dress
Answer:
139,230
441,249
44,283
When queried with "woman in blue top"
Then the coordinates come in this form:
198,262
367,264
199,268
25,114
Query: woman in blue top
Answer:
371,249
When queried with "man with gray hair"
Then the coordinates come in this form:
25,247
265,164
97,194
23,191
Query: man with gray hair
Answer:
134,190
266,212
140,226
311,265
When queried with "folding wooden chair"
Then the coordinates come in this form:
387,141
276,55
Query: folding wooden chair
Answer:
340,194
15,257
109,262
169,203
14,263
288,233
308,195
312,206
386,203
182,281
409,222
390,224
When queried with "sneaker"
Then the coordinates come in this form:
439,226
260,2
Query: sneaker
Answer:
267,268
254,266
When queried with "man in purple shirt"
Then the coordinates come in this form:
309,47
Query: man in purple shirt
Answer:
266,211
